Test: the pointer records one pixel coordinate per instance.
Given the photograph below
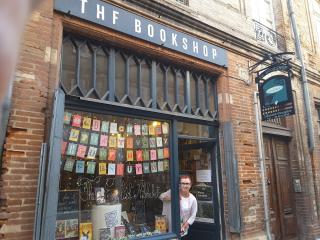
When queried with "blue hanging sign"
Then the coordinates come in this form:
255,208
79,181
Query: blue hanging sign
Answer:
118,19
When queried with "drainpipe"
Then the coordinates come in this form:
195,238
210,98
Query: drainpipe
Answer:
4,118
306,95
262,165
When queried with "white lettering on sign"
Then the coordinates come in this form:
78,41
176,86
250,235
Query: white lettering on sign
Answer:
214,53
150,30
205,50
195,47
100,12
163,34
185,43
115,16
83,3
137,25
174,39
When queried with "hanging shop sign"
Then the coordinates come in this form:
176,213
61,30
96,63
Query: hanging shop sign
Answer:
118,19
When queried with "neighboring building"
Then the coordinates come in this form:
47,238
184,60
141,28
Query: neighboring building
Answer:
128,95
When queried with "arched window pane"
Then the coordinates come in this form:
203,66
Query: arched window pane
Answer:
69,53
102,72
181,89
145,81
86,81
193,92
171,87
133,78
120,76
160,85
202,95
211,95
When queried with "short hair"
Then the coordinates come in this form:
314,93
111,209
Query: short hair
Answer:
185,176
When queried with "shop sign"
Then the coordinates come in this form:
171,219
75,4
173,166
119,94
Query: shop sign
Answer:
276,97
118,19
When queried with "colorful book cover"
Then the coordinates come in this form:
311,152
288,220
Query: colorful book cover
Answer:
72,228
138,142
103,140
121,128
129,155
120,169
105,126
159,141
86,124
130,169
160,153
145,142
96,125
81,151
165,128
68,166
154,167
152,142
165,141
91,167
120,142
66,132
119,231
84,137
74,135
165,165
139,169
146,167
137,129
112,154
139,154
129,129
64,145
102,168
152,130
166,153
67,118
160,166
112,141
80,166
111,169
92,152
103,154
130,142
153,154
94,139
76,121
158,130
113,128
144,129
120,155
60,229
72,149
146,155
85,231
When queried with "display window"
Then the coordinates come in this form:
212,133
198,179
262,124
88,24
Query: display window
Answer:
113,169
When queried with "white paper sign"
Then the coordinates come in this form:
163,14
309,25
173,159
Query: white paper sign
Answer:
203,175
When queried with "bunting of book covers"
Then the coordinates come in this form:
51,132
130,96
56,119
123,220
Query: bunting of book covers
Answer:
159,141
76,121
129,129
137,129
68,166
113,128
84,137
130,169
80,166
85,231
112,141
60,229
160,166
86,124
103,140
92,152
166,153
120,155
112,169
72,149
81,151
94,139
139,155
160,153
103,154
152,130
120,169
144,129
66,132
145,142
130,142
96,125
120,142
158,130
154,167
138,142
105,126
91,167
72,230
67,118
152,142
102,168
165,141
165,128
166,165
139,169
64,147
112,154
146,167
146,155
129,155
74,134
121,128
153,154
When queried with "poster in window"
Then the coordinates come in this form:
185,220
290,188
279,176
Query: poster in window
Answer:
100,195
67,118
154,167
80,166
153,154
120,169
60,229
119,231
94,139
113,127
92,152
102,168
158,130
138,169
111,169
91,167
103,154
129,129
138,142
103,140
165,165
146,155
129,155
76,121
146,167
121,128
86,124
120,155
144,129
165,141
112,141
145,142
130,169
72,149
96,125
165,128
139,155
105,126
160,166
160,153
159,141
74,134
68,166
72,229
152,142
81,151
152,130
120,142
166,153
84,137
130,142
112,154
137,129
85,231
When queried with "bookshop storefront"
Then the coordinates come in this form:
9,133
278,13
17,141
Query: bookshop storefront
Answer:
126,124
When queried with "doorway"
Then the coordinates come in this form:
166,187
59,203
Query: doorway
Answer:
280,190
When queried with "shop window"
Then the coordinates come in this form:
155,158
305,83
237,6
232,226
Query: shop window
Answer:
112,172
120,76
